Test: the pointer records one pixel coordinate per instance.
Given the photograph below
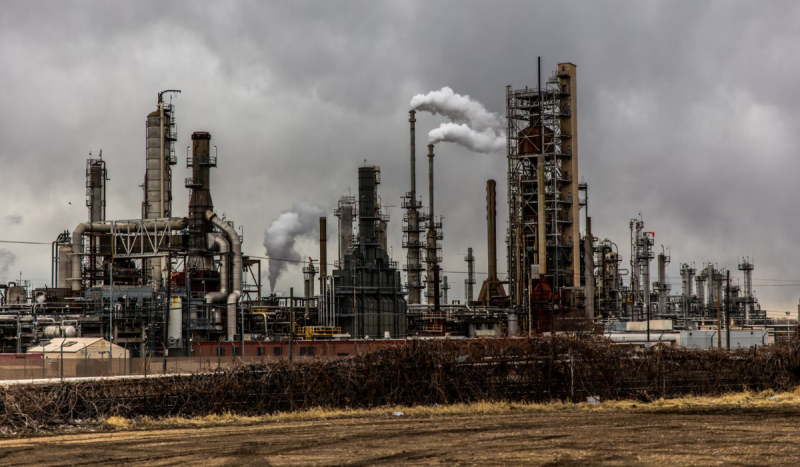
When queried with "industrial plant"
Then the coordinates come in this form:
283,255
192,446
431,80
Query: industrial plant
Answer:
175,282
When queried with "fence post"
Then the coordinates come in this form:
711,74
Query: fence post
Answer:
218,354
62,359
85,360
44,357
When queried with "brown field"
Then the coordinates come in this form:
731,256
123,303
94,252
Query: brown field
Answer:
744,429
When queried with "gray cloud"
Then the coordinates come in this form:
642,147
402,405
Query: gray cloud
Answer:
13,219
687,112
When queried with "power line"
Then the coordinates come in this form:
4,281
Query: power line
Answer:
25,243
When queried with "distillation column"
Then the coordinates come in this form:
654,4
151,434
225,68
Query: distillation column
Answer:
469,282
412,228
662,284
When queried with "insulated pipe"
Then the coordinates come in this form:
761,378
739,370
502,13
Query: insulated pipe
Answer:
218,242
77,237
236,246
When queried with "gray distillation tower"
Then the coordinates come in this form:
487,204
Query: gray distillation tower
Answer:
641,255
687,293
469,282
161,136
368,289
412,228
662,286
749,299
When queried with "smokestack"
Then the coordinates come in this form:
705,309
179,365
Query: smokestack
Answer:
491,286
491,224
432,286
411,121
430,179
323,253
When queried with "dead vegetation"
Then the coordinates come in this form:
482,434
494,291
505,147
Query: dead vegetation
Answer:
521,374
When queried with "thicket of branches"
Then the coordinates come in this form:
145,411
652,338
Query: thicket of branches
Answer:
536,369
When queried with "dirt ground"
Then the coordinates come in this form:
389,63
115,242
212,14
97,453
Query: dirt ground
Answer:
758,437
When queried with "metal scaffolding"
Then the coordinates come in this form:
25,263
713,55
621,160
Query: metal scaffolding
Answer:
542,172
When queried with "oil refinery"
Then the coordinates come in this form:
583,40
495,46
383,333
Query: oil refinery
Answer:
176,281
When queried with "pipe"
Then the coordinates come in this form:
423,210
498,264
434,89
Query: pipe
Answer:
224,248
266,329
236,246
77,237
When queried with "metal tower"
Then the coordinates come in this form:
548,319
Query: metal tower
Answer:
542,152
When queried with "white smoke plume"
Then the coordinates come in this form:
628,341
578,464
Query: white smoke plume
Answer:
485,142
458,108
280,237
7,259
471,125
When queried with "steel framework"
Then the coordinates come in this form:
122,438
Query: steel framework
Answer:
542,171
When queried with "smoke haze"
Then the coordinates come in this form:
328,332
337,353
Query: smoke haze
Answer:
7,259
282,234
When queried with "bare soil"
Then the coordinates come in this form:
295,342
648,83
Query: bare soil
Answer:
764,436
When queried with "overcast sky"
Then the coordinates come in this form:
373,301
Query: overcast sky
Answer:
688,112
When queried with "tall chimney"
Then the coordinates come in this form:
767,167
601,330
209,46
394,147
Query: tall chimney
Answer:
412,120
430,179
491,286
412,225
323,253
491,224
432,287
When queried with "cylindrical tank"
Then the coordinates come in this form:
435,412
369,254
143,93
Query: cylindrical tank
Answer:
15,294
64,266
513,325
175,322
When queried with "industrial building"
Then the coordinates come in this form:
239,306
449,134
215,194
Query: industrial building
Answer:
174,279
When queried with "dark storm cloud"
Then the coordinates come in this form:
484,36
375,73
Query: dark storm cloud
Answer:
687,112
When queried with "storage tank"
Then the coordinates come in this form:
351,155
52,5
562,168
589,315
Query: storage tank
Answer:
175,322
15,294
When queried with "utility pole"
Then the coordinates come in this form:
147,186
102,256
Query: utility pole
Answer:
291,321
719,318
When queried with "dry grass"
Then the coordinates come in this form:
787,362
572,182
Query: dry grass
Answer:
744,400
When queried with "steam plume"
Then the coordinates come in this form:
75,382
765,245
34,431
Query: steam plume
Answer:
279,239
7,259
458,108
471,125
485,142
